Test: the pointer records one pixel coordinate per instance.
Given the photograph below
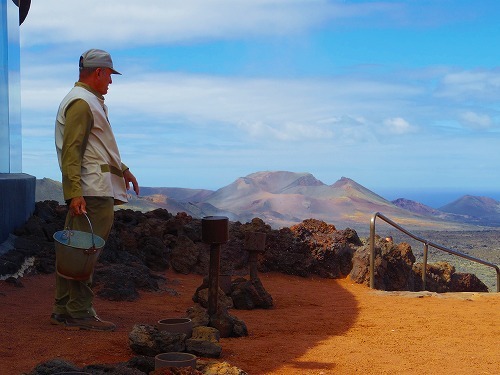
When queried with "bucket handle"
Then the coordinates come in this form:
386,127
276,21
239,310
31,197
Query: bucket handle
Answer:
91,250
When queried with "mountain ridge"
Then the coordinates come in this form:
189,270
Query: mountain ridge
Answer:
283,198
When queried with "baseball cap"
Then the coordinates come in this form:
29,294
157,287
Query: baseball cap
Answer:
97,58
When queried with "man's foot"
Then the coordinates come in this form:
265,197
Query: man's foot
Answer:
91,323
58,318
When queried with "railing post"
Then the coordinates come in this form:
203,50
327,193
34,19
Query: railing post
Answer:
498,280
372,251
424,266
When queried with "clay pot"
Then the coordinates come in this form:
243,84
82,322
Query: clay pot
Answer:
176,325
175,359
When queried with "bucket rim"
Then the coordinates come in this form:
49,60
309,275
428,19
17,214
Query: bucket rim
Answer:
59,236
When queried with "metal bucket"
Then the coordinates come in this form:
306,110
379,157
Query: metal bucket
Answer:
77,252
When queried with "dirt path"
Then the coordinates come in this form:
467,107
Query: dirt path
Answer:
317,326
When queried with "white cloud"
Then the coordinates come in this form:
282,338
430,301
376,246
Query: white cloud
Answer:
476,121
134,22
398,125
287,132
469,85
271,108
276,108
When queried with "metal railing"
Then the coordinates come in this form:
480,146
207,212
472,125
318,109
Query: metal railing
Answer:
426,250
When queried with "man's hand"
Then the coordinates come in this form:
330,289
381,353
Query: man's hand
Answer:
78,206
130,178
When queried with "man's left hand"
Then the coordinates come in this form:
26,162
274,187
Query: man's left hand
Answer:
130,178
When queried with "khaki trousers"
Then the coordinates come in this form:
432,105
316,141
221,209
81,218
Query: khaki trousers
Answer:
75,297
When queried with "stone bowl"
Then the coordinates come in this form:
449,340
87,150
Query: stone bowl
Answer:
176,325
175,359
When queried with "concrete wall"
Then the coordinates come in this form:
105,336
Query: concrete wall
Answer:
17,201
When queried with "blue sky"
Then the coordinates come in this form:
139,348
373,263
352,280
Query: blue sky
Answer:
400,96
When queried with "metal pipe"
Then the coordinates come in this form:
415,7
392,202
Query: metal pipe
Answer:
424,266
255,242
213,279
372,251
498,280
252,261
214,231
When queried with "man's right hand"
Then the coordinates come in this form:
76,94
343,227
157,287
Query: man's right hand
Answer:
78,206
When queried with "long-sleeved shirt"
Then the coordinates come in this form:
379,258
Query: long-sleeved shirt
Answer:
87,151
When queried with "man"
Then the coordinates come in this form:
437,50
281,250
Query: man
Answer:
93,177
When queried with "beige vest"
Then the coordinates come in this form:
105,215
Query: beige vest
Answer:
101,173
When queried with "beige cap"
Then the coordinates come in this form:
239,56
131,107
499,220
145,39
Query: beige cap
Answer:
96,58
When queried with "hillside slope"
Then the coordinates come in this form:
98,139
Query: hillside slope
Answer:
479,210
424,210
49,190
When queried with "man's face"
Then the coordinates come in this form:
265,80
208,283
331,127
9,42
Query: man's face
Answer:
103,80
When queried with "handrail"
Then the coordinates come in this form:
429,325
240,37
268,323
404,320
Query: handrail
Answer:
426,248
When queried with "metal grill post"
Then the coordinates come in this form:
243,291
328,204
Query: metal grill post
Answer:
255,242
215,232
